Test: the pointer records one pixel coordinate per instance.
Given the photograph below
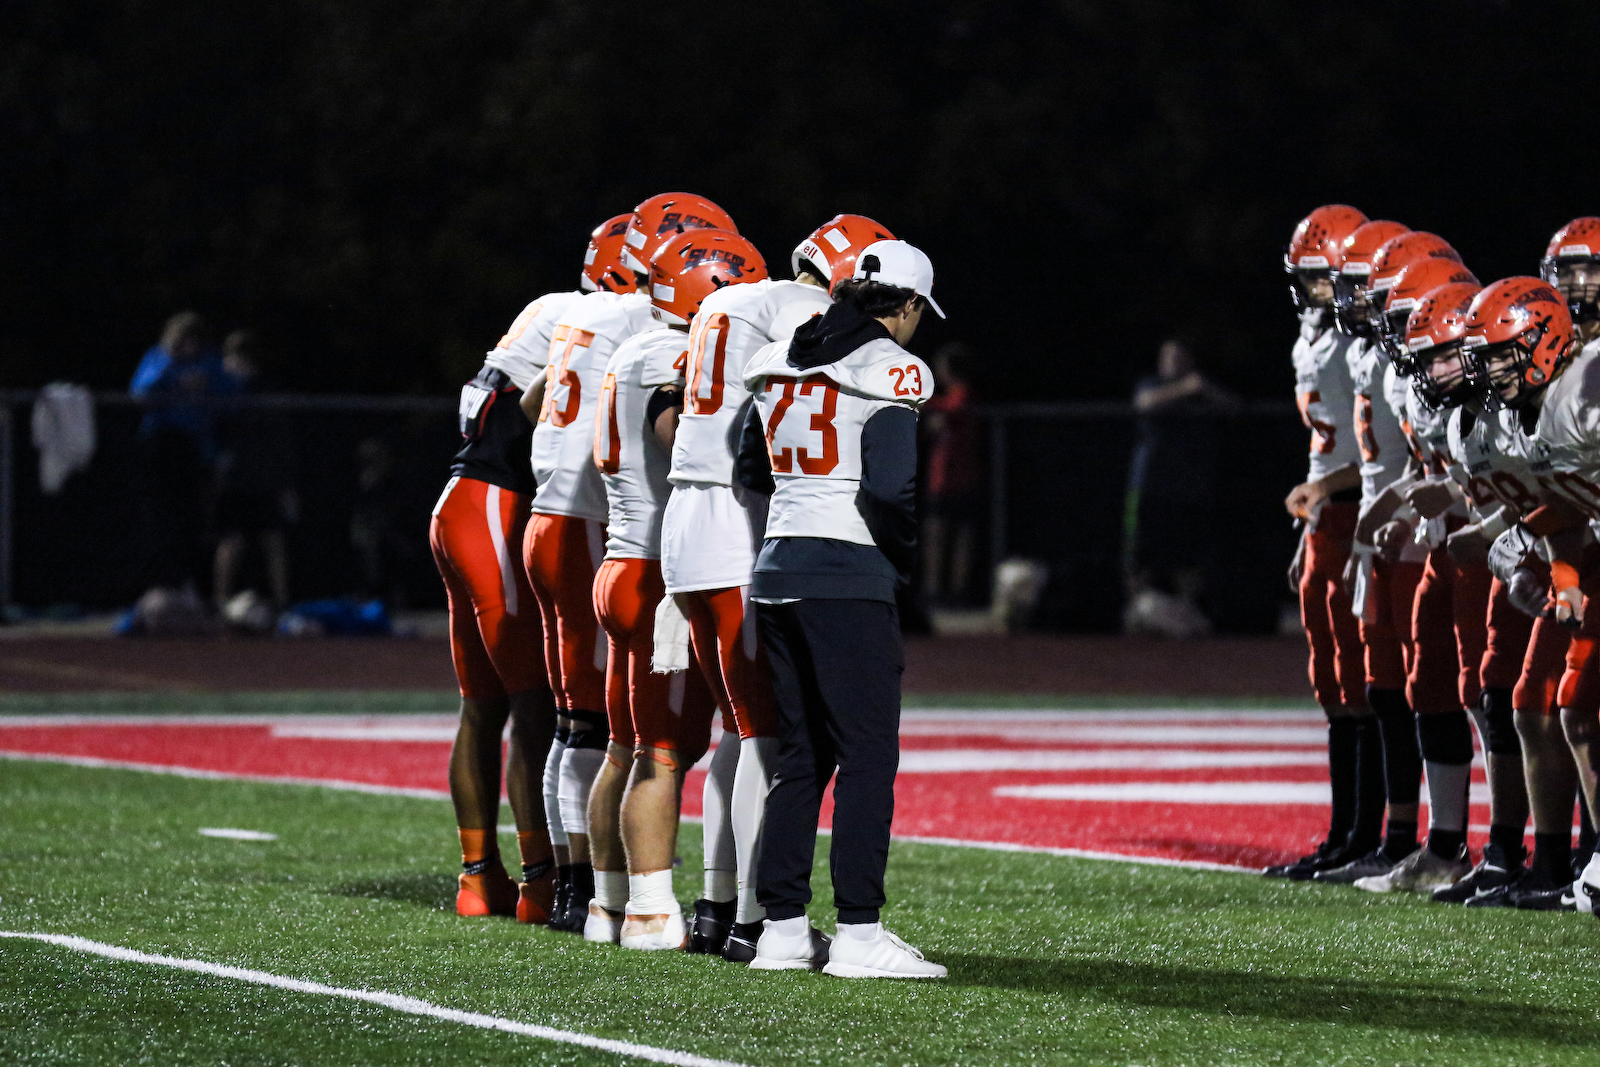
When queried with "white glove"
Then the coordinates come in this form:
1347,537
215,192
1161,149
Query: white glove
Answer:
1508,552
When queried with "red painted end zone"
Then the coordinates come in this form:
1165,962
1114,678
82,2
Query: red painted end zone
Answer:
1236,788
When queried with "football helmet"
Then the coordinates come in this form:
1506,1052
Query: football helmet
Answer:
1350,307
1572,264
602,260
663,215
1433,345
1398,253
1518,338
831,250
1314,250
1395,304
696,263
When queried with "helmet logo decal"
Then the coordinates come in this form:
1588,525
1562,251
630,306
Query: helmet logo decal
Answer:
696,256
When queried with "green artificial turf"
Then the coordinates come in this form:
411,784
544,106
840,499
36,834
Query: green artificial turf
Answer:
1052,960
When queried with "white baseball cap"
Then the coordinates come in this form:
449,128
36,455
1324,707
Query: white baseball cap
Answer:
898,264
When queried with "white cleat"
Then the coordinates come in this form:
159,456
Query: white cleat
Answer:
654,933
602,925
779,951
879,954
1586,889
1420,872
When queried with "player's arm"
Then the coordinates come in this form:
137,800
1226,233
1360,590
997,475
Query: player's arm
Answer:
1307,495
752,466
533,399
661,413
887,499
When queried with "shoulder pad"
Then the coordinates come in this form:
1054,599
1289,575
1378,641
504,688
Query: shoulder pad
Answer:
664,357
771,358
883,370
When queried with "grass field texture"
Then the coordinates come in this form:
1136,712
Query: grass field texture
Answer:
1052,960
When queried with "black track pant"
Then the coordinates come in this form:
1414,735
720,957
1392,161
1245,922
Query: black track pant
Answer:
836,668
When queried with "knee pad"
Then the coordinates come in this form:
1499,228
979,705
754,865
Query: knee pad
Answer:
1445,738
578,769
1497,719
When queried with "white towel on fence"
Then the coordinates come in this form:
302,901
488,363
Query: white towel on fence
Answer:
63,432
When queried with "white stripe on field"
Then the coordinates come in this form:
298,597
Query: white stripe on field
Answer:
1171,734
236,835
1177,792
394,1001
958,760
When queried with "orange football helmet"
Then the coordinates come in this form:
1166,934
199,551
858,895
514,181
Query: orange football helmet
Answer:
1314,250
693,264
662,216
1433,345
1572,264
1350,306
602,260
831,250
1394,306
1518,338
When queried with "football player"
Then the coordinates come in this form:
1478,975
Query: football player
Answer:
565,541
1327,505
709,539
1523,343
832,435
660,723
495,637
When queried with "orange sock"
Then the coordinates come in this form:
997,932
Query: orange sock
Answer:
475,845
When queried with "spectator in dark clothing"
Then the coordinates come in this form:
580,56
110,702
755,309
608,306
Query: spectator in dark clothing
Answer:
952,439
1171,499
255,497
177,446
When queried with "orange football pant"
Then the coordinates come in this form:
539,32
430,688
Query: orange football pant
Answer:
725,642
1510,632
1449,634
647,711
496,640
1337,667
1388,638
562,553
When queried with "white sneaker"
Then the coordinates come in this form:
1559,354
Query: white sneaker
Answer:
1420,872
779,949
879,955
1586,889
602,925
653,933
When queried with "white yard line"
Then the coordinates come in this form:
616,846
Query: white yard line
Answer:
223,776
394,1001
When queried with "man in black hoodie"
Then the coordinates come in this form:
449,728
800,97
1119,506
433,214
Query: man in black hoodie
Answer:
832,436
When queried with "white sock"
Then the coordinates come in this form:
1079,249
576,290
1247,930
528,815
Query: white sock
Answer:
552,791
858,931
722,878
651,894
751,783
578,768
1447,795
611,889
795,927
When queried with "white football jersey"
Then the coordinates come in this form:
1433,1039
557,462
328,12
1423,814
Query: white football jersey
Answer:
1490,454
1567,452
731,325
632,460
1384,449
525,349
563,440
814,421
1323,391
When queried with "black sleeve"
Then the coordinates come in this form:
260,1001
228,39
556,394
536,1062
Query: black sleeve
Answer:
887,499
752,467
661,401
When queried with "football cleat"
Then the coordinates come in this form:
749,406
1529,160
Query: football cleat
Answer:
1421,872
573,918
602,925
1326,856
1586,888
1537,891
490,893
708,930
741,944
1373,863
883,955
776,952
1495,872
653,932
536,900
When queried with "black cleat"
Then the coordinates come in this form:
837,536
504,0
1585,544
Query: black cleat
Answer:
1537,891
1492,877
562,902
1303,868
741,944
1373,863
709,926
573,920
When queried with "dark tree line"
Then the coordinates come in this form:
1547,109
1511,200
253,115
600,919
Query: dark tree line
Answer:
378,186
